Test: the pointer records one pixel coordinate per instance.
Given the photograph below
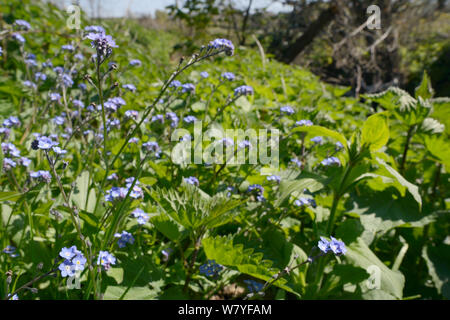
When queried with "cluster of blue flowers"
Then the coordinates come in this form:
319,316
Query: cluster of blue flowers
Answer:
102,42
335,246
211,268
243,91
74,261
192,180
222,44
274,178
152,146
317,140
300,202
124,238
287,110
42,175
306,123
141,216
258,190
254,286
330,161
106,259
228,76
119,193
11,251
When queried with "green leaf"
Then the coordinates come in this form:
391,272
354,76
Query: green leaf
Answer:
10,196
322,131
424,90
382,211
167,227
224,252
413,189
309,181
391,282
80,196
438,263
375,132
198,106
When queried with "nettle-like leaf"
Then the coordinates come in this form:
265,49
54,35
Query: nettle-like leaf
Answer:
375,132
194,209
432,126
226,253
441,112
424,90
439,147
394,98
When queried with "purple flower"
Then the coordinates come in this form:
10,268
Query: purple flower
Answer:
175,84
141,216
158,117
11,122
173,118
211,268
190,119
187,87
300,202
68,47
336,246
244,144
129,87
124,238
78,57
192,180
40,76
297,162
112,176
135,62
45,143
59,151
22,24
55,97
287,110
24,161
10,149
243,90
102,43
59,120
132,114
78,103
228,76
67,253
79,261
1,51
29,84
106,259
254,286
67,268
256,187
338,146
223,44
317,140
204,74
306,123
8,164
152,146
66,80
42,175
331,161
18,37
98,29
274,178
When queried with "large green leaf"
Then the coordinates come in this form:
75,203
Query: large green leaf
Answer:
391,282
322,131
413,189
382,211
305,180
84,197
438,263
375,132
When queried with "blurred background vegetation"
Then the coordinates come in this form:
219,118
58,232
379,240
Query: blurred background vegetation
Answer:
327,37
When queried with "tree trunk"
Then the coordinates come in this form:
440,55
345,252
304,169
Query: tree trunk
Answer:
324,19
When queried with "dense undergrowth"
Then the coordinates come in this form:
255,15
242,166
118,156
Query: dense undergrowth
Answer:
371,173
